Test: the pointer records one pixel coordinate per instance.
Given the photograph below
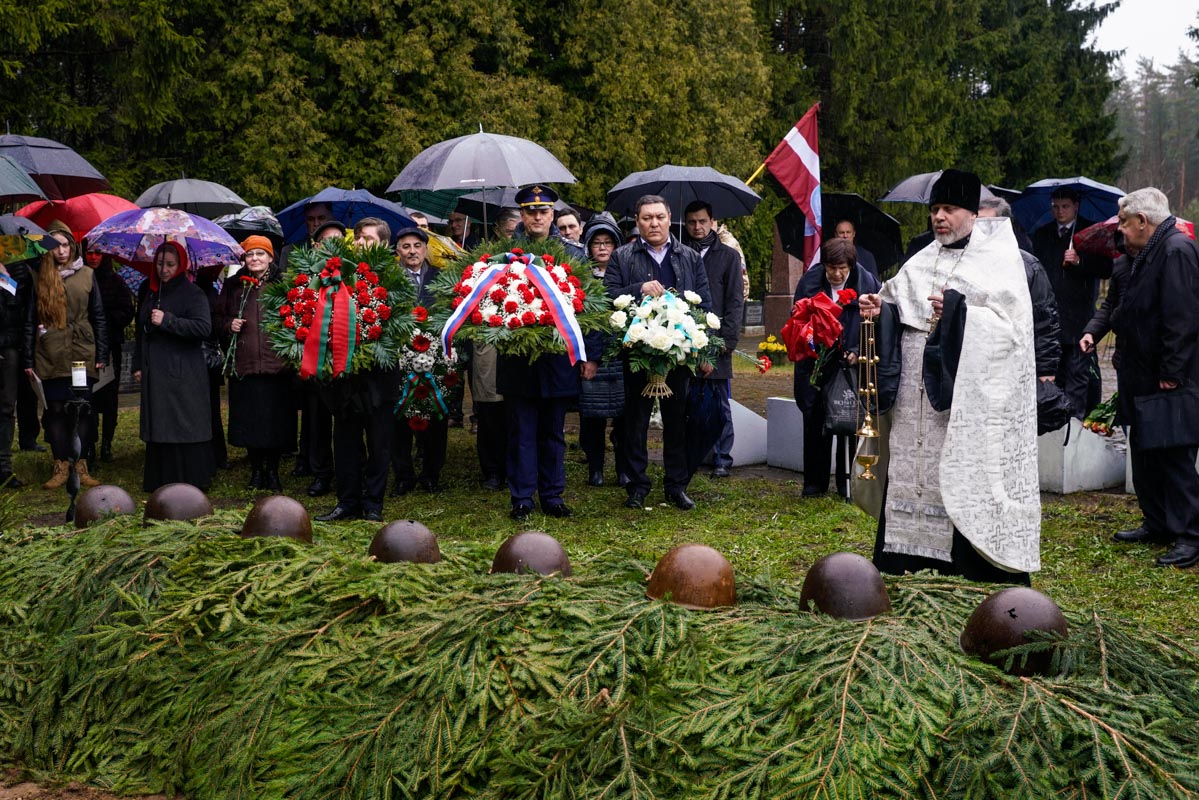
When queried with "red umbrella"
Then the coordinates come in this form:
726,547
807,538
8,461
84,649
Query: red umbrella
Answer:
1100,238
80,213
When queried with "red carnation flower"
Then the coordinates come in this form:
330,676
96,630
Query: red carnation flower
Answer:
528,318
513,323
301,280
284,310
369,316
450,380
306,319
374,332
363,298
289,322
564,287
548,259
495,320
457,301
249,280
309,295
517,251
485,256
476,317
333,262
846,296
371,278
546,318
510,306
578,304
384,312
363,266
293,294
497,295
420,343
361,286
380,293
420,313
418,424
572,280
421,392
301,334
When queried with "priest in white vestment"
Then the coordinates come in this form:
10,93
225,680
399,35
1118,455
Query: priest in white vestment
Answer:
962,495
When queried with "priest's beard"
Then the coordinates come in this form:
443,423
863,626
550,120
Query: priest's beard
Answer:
956,234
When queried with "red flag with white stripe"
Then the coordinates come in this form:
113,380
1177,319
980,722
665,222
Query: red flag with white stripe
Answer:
795,163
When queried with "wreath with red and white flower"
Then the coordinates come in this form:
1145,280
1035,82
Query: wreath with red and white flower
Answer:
432,382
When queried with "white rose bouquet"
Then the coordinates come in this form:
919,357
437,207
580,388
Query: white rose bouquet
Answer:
661,333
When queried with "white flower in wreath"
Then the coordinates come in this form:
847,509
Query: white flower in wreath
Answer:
643,311
517,268
424,362
692,298
713,321
674,315
637,332
619,318
700,340
558,273
622,302
660,339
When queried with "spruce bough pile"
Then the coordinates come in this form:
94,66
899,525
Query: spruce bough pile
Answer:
180,657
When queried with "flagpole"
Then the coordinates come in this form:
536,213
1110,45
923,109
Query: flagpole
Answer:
757,172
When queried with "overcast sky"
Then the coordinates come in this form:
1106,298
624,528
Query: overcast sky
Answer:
1150,29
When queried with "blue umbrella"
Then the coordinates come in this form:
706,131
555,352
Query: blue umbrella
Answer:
1097,202
349,207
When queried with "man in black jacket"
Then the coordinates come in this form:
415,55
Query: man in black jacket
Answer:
723,266
14,308
653,263
1075,279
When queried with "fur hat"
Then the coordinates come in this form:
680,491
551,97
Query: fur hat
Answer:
956,188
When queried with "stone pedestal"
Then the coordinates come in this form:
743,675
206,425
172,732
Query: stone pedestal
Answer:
749,436
784,434
1089,462
785,272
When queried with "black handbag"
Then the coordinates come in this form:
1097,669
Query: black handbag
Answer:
1053,407
1167,419
841,407
214,359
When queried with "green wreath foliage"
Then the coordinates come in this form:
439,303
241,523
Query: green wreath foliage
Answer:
526,342
182,657
305,264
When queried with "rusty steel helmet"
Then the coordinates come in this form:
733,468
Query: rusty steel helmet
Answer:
1000,622
177,501
532,551
277,515
694,576
405,540
846,586
102,501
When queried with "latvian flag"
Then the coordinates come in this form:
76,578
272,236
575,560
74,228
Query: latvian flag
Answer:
795,163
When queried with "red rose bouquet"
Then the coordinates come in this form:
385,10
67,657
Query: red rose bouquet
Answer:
340,310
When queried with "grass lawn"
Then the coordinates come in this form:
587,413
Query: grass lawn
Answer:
756,518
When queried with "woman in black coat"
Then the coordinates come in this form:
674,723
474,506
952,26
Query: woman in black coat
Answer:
172,322
837,272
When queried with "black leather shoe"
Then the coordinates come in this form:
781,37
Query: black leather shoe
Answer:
596,478
1180,555
559,510
680,500
1141,534
372,515
721,472
270,480
814,491
520,513
402,488
338,514
319,487
622,480
301,471
636,500
256,480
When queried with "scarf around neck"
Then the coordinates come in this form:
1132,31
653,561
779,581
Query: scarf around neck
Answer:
699,245
1159,234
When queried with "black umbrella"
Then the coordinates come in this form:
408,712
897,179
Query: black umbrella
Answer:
202,198
877,231
919,188
15,184
12,225
728,196
479,161
57,169
258,220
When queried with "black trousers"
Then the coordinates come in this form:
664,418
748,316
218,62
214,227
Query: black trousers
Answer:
492,442
433,445
316,433
1167,488
817,451
637,410
591,439
361,455
11,378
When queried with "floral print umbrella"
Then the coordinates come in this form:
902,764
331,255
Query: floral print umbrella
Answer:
131,237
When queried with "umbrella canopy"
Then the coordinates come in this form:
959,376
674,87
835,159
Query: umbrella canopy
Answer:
919,188
729,196
485,205
439,204
202,198
250,221
20,239
56,168
877,231
478,161
80,214
1100,239
12,225
15,184
1096,201
131,237
349,206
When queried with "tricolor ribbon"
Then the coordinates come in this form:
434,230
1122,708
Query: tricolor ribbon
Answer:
408,394
488,278
560,310
336,320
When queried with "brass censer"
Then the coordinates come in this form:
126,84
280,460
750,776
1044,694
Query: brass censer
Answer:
868,447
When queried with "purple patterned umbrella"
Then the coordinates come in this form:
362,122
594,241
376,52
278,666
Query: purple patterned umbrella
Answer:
131,237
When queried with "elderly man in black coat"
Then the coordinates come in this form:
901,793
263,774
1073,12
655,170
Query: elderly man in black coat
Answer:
1158,332
653,263
723,266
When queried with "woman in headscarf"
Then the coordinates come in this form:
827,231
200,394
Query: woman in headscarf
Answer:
65,325
261,418
173,320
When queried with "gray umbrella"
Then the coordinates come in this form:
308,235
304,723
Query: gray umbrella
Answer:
729,196
12,225
918,188
478,161
202,198
15,184
57,169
